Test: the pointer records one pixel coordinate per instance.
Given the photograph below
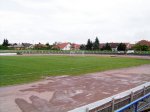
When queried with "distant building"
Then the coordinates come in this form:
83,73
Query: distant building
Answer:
63,46
67,46
102,45
20,46
27,45
114,46
39,46
75,46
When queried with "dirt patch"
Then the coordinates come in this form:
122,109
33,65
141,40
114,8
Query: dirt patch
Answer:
63,93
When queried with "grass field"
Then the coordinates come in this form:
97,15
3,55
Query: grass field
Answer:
23,69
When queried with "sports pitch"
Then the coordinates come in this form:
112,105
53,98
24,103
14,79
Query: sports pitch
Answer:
24,69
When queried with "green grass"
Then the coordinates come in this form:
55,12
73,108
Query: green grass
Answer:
23,69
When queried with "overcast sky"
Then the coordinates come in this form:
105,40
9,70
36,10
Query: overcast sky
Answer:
74,20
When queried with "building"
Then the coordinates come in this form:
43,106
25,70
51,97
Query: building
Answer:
114,46
20,46
16,46
67,46
63,46
75,46
27,45
39,46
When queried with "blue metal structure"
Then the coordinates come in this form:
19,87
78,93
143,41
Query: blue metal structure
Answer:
135,104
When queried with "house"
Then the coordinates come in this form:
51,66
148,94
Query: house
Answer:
39,46
67,46
102,45
128,45
20,46
27,45
114,46
131,46
63,46
75,46
16,46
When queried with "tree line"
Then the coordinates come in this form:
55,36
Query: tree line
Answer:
5,44
91,45
142,45
96,46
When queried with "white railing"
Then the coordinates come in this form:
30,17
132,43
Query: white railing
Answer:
8,54
94,105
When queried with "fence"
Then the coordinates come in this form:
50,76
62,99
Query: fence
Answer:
117,101
140,104
8,54
69,51
56,52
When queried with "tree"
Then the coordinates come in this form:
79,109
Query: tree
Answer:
142,45
139,47
5,43
107,47
145,48
3,47
83,47
96,44
121,47
89,45
48,46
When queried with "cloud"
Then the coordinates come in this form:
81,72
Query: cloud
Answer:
74,20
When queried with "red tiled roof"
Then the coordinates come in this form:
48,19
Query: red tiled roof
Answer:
61,45
102,45
75,46
114,45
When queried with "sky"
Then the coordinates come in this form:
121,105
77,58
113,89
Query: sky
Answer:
74,21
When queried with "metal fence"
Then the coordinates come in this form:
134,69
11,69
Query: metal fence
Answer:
141,104
117,101
56,52
71,52
116,104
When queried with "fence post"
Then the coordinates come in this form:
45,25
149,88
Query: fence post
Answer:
113,104
131,96
87,109
136,107
144,90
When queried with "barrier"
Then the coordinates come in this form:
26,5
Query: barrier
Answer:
145,53
134,106
116,101
8,54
